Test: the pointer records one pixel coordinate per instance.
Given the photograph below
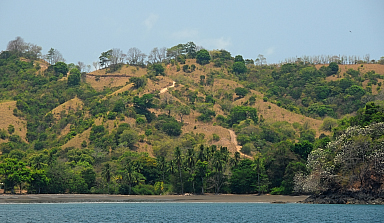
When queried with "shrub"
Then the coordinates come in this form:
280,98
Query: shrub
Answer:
112,115
215,137
265,99
11,129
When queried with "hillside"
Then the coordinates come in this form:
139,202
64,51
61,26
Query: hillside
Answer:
201,121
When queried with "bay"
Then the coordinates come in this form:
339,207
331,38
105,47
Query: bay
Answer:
189,212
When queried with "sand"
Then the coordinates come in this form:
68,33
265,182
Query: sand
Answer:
71,198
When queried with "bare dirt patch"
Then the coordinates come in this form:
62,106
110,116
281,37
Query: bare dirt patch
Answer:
7,118
74,104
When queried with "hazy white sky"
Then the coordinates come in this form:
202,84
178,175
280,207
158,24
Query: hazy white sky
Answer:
81,30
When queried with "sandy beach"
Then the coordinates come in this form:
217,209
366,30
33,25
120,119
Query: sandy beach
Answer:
70,198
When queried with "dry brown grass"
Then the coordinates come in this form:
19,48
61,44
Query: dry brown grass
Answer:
74,104
378,68
7,118
276,113
115,79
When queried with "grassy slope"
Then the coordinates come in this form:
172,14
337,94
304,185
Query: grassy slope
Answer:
7,118
270,111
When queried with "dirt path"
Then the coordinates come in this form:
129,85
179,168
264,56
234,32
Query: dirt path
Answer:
166,89
234,141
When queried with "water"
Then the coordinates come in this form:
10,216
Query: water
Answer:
189,212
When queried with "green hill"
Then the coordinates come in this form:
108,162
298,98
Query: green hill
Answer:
192,122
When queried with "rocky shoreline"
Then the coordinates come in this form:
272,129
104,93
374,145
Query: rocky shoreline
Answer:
347,197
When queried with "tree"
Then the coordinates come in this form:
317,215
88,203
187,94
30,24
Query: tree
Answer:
17,46
190,49
60,68
54,56
106,173
178,159
135,56
155,56
183,110
105,58
74,77
81,66
240,113
334,68
239,67
95,65
262,177
243,177
241,92
239,58
38,181
129,138
202,172
158,69
328,124
303,149
138,82
203,57
260,60
161,164
14,173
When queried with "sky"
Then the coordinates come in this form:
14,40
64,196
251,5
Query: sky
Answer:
82,30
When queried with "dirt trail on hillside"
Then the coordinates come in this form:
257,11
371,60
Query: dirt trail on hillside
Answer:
234,141
166,89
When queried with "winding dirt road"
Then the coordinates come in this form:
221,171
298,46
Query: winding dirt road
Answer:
234,141
231,132
166,89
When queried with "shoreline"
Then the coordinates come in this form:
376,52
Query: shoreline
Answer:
105,198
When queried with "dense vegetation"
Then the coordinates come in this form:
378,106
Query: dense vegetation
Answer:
108,162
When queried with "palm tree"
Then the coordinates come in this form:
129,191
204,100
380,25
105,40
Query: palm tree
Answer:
202,155
191,165
161,165
178,162
107,174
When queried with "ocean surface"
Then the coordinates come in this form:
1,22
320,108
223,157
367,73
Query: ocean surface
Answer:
189,212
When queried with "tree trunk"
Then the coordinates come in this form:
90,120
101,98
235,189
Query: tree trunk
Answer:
181,180
202,185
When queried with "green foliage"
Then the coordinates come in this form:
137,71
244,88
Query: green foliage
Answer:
334,68
60,68
158,69
169,125
241,92
74,77
203,57
11,129
128,138
215,137
303,148
138,82
240,113
239,67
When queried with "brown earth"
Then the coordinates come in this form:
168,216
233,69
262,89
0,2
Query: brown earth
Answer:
7,118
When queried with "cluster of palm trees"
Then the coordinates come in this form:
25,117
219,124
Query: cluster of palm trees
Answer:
207,168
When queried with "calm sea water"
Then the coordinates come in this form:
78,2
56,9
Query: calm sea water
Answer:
189,212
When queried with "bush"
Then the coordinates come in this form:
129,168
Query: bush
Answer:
148,132
112,115
215,137
203,57
247,148
11,129
265,99
143,189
